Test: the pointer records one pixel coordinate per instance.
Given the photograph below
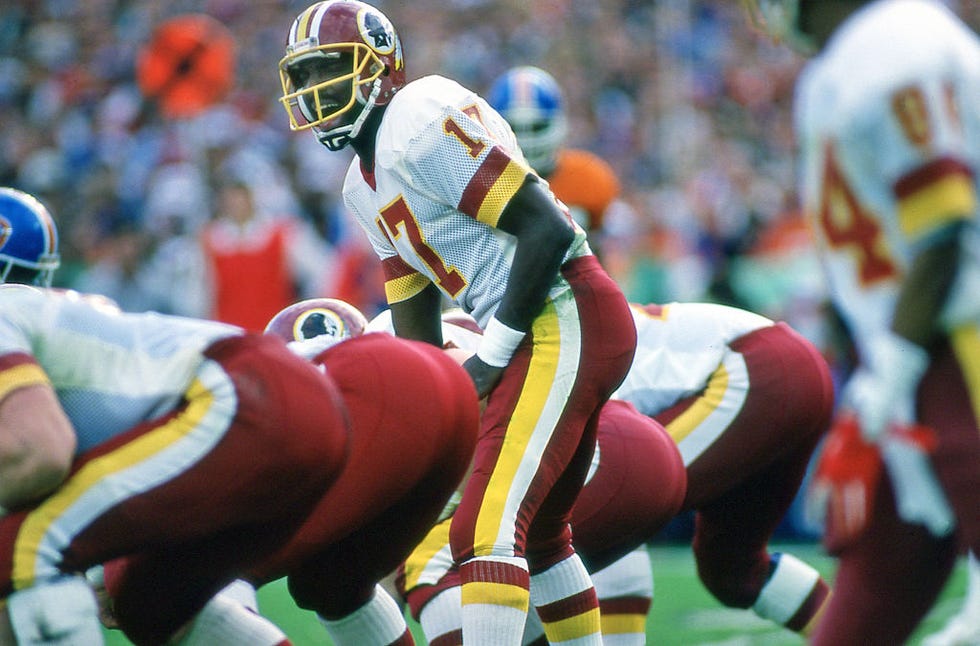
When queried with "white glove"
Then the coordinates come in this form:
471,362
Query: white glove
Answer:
882,389
919,498
60,612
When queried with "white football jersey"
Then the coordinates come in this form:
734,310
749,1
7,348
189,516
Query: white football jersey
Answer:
678,347
446,165
110,370
888,120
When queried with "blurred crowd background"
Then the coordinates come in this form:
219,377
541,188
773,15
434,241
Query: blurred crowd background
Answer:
684,98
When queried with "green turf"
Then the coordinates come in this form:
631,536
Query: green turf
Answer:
684,614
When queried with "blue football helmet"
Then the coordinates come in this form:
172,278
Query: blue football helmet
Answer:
532,103
28,240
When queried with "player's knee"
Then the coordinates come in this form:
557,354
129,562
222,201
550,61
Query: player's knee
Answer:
330,599
732,586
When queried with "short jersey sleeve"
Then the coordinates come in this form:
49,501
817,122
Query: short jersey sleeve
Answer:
465,161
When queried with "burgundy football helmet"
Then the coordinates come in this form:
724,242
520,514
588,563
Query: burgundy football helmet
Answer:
317,317
343,59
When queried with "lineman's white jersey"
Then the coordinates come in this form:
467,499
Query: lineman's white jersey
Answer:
678,347
110,370
890,138
446,165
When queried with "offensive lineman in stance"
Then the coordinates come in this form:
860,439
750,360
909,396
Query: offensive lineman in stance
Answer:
746,400
129,417
888,121
445,196
413,418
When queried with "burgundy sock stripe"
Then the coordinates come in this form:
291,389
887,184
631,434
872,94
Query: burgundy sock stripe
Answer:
494,572
572,606
454,638
405,640
625,606
809,607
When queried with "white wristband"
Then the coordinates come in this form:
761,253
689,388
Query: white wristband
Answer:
900,362
499,343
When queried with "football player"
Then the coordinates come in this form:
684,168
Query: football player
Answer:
413,417
746,401
28,240
533,104
888,123
110,422
440,187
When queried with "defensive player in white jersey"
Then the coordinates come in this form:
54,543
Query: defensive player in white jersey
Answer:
451,207
888,122
746,401
151,414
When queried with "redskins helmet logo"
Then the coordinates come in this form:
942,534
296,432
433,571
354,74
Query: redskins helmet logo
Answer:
376,31
318,322
5,231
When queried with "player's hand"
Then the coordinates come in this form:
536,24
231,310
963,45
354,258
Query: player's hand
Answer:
919,498
882,390
484,376
843,490
96,580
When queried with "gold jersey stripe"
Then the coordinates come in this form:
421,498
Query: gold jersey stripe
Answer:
948,199
703,406
405,287
39,522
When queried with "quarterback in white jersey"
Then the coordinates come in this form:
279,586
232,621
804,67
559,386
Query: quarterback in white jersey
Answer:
888,123
453,210
160,413
428,152
744,400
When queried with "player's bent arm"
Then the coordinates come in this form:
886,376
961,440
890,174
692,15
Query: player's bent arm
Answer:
418,317
927,287
37,444
543,235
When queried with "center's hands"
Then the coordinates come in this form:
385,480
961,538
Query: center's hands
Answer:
484,376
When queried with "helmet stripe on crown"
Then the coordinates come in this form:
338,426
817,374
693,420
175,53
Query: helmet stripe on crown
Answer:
51,232
523,89
308,23
301,26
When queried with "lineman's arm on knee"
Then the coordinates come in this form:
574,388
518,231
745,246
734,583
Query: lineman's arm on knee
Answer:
37,444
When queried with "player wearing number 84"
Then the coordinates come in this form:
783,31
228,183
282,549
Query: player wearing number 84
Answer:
888,122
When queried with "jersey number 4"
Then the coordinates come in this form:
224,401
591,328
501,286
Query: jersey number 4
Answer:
846,225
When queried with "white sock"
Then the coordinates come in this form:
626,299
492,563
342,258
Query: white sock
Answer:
377,623
494,600
226,621
442,615
625,586
242,592
563,587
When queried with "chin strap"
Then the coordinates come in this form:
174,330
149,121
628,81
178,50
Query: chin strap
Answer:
339,137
